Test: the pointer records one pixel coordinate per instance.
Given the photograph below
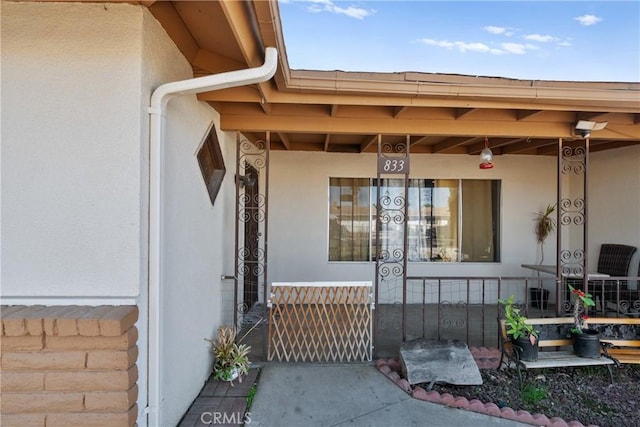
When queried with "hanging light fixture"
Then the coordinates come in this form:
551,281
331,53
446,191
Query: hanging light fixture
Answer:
486,156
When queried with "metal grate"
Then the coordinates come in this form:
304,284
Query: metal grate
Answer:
320,322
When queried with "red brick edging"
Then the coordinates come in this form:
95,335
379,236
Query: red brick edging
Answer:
486,359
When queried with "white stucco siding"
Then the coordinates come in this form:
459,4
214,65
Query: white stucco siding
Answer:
195,238
71,128
614,201
298,214
194,242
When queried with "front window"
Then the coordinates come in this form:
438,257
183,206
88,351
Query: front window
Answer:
448,219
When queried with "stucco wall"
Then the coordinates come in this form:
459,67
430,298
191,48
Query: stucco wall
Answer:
298,230
195,239
71,130
614,201
76,80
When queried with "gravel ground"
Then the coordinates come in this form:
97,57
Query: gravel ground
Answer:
573,394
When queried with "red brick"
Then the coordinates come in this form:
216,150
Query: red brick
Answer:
22,420
91,381
18,403
110,401
87,419
112,359
21,381
47,360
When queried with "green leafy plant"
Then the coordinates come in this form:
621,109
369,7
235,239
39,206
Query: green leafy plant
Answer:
516,322
581,303
533,394
230,356
251,395
545,225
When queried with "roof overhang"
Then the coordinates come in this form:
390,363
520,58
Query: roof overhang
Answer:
345,111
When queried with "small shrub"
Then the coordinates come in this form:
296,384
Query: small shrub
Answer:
533,394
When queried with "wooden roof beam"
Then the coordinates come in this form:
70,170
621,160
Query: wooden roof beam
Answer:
461,112
525,114
368,142
285,140
448,143
397,111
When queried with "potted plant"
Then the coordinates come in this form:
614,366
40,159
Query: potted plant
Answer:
522,335
231,358
545,225
586,341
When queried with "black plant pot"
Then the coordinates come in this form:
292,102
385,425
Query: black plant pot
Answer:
587,344
525,350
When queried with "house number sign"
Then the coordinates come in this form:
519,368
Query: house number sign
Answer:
393,165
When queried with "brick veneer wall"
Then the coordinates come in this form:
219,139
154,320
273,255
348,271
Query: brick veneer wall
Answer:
68,366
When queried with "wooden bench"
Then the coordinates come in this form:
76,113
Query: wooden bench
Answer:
555,348
621,336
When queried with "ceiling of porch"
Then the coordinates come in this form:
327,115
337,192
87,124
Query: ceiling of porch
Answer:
337,111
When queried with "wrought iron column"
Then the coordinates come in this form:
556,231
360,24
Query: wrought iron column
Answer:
392,212
250,259
572,261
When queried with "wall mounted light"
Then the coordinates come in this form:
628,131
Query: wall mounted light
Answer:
584,128
486,156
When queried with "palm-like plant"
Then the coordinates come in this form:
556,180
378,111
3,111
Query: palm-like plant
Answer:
230,357
545,225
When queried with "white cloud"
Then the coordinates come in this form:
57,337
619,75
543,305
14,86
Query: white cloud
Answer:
588,20
461,46
505,48
515,48
539,38
495,30
318,6
500,31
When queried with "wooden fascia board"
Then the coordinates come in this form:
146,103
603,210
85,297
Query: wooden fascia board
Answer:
241,19
528,96
270,27
275,96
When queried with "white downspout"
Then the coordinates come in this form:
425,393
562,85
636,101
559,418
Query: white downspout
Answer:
159,100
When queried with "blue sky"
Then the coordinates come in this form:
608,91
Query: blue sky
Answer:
540,40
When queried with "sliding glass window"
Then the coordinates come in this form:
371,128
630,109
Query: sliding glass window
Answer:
448,219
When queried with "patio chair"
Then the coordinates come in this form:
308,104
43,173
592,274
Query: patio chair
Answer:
614,260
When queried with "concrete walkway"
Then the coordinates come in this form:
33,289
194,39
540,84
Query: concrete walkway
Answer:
326,395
